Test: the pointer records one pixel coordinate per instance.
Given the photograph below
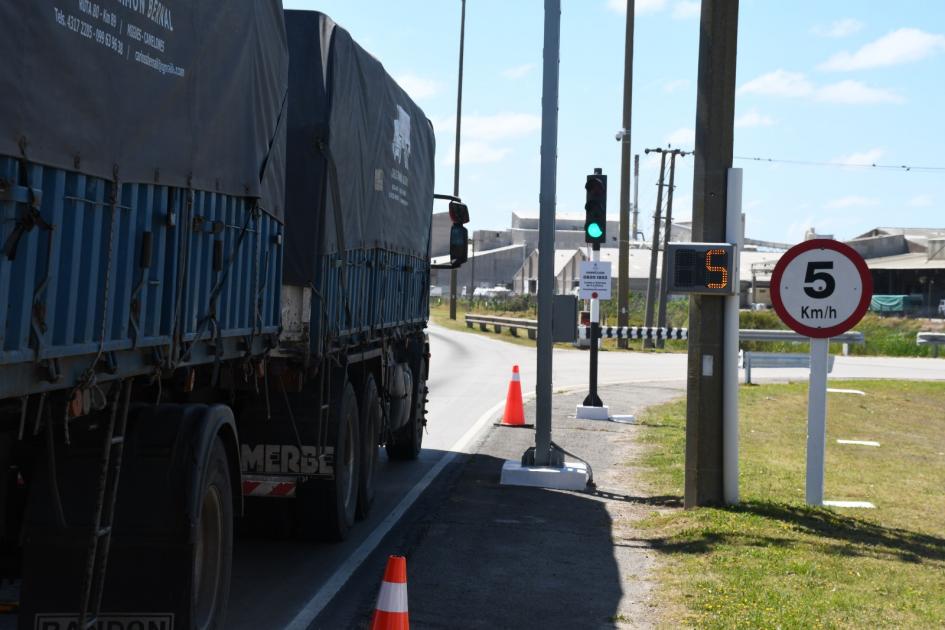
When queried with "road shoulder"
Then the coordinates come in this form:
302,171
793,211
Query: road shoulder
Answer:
495,556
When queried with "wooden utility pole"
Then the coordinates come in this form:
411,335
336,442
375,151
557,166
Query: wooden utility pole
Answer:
623,260
715,117
654,249
667,234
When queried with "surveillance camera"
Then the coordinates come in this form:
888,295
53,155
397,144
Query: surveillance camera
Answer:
619,135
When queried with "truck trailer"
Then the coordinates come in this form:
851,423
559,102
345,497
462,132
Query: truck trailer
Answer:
214,274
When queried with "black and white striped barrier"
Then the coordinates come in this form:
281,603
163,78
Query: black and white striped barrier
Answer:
635,332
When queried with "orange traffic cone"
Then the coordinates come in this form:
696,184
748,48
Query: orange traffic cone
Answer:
391,610
514,415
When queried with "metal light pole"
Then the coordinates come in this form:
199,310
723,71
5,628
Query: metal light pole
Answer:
544,455
459,119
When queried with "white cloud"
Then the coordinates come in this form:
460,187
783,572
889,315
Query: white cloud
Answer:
904,45
797,85
683,138
418,88
840,28
860,159
501,126
851,201
677,84
640,7
476,152
517,72
856,93
779,83
687,9
752,118
480,136
921,201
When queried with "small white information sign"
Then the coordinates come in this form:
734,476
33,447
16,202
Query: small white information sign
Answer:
595,280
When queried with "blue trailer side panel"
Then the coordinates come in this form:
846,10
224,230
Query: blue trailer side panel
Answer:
91,267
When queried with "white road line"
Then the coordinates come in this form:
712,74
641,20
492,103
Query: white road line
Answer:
338,579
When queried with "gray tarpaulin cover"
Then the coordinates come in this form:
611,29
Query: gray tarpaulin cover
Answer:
180,92
382,145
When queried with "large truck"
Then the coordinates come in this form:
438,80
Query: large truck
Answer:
215,234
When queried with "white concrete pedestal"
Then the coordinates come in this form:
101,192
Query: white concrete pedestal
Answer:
571,476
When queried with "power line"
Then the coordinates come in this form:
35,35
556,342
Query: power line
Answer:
901,167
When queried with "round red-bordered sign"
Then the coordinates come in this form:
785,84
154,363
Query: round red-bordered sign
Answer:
821,288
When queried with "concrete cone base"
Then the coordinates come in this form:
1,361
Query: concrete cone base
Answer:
592,413
571,476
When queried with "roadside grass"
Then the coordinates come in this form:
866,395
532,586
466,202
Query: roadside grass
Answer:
773,562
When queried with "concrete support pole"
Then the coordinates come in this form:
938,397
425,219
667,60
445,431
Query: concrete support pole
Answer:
715,118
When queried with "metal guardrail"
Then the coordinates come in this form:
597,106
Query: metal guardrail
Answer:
638,332
777,360
760,334
934,339
514,324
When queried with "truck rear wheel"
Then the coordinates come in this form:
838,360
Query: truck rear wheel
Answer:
406,442
326,509
213,549
371,417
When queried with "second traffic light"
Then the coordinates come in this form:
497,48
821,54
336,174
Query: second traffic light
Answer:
595,209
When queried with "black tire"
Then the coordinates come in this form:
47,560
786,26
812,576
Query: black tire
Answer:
371,417
212,558
326,510
405,443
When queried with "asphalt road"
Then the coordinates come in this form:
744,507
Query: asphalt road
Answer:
289,583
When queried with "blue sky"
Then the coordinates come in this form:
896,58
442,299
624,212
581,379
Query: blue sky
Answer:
841,82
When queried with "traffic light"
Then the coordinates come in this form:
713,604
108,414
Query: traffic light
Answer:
595,217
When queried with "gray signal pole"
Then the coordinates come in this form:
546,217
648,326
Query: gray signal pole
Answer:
654,249
715,117
623,261
459,119
546,234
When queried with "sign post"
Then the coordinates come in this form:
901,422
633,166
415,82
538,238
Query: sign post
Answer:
820,288
595,286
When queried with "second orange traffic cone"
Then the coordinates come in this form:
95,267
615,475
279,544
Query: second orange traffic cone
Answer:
514,415
391,610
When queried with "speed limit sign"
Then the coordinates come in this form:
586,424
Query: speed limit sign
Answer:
821,288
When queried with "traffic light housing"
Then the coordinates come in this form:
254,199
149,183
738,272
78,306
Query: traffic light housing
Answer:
595,209
459,236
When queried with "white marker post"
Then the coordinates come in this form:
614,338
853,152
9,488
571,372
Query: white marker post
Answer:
733,234
817,420
820,288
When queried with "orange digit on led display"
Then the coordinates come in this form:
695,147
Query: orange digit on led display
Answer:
710,268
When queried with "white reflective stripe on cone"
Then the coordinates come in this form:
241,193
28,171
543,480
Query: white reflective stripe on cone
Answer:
516,376
393,597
